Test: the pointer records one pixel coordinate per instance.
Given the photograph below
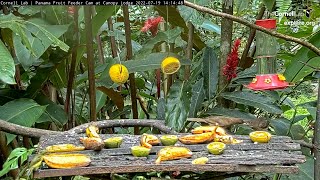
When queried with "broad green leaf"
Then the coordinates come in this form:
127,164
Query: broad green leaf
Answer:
167,36
24,112
220,111
269,4
29,10
302,57
208,25
306,171
297,132
59,76
41,35
242,5
53,113
7,95
178,105
305,70
281,126
175,19
13,159
198,96
210,72
115,96
7,67
161,109
100,100
17,25
151,62
37,81
254,100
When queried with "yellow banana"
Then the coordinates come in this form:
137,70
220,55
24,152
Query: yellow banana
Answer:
64,148
197,138
173,152
66,160
92,131
203,129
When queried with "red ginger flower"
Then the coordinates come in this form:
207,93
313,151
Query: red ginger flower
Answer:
152,24
230,69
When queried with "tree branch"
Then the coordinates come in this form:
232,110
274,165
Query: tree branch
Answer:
25,131
125,123
249,24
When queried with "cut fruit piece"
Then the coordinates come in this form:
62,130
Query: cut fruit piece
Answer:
140,151
92,143
201,160
92,131
170,65
169,140
148,140
113,142
119,73
216,148
197,138
260,136
66,160
64,148
227,139
203,129
173,152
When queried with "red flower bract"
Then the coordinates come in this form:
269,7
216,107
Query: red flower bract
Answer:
152,25
230,69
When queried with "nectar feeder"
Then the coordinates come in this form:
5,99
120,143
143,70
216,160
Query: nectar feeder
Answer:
266,52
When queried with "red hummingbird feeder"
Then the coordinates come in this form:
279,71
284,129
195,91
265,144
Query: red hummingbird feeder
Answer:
266,52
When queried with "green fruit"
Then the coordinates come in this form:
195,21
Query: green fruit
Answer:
140,151
216,148
113,142
169,140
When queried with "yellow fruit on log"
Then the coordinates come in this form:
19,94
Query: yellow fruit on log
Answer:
64,148
197,138
170,65
260,136
173,152
92,143
227,139
66,160
92,131
169,140
203,129
113,142
216,148
148,140
201,160
140,151
119,73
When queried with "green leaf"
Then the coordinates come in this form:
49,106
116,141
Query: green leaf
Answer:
297,132
100,100
306,171
178,105
220,111
59,76
254,100
167,36
24,112
269,4
208,25
151,62
241,5
115,96
13,159
53,113
210,72
281,126
300,59
175,19
7,95
7,68
117,113
198,96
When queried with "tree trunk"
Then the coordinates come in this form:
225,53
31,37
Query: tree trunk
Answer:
226,38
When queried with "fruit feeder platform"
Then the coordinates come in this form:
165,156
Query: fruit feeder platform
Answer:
280,155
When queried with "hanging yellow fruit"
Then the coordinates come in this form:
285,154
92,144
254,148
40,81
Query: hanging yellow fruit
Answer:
170,65
119,73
